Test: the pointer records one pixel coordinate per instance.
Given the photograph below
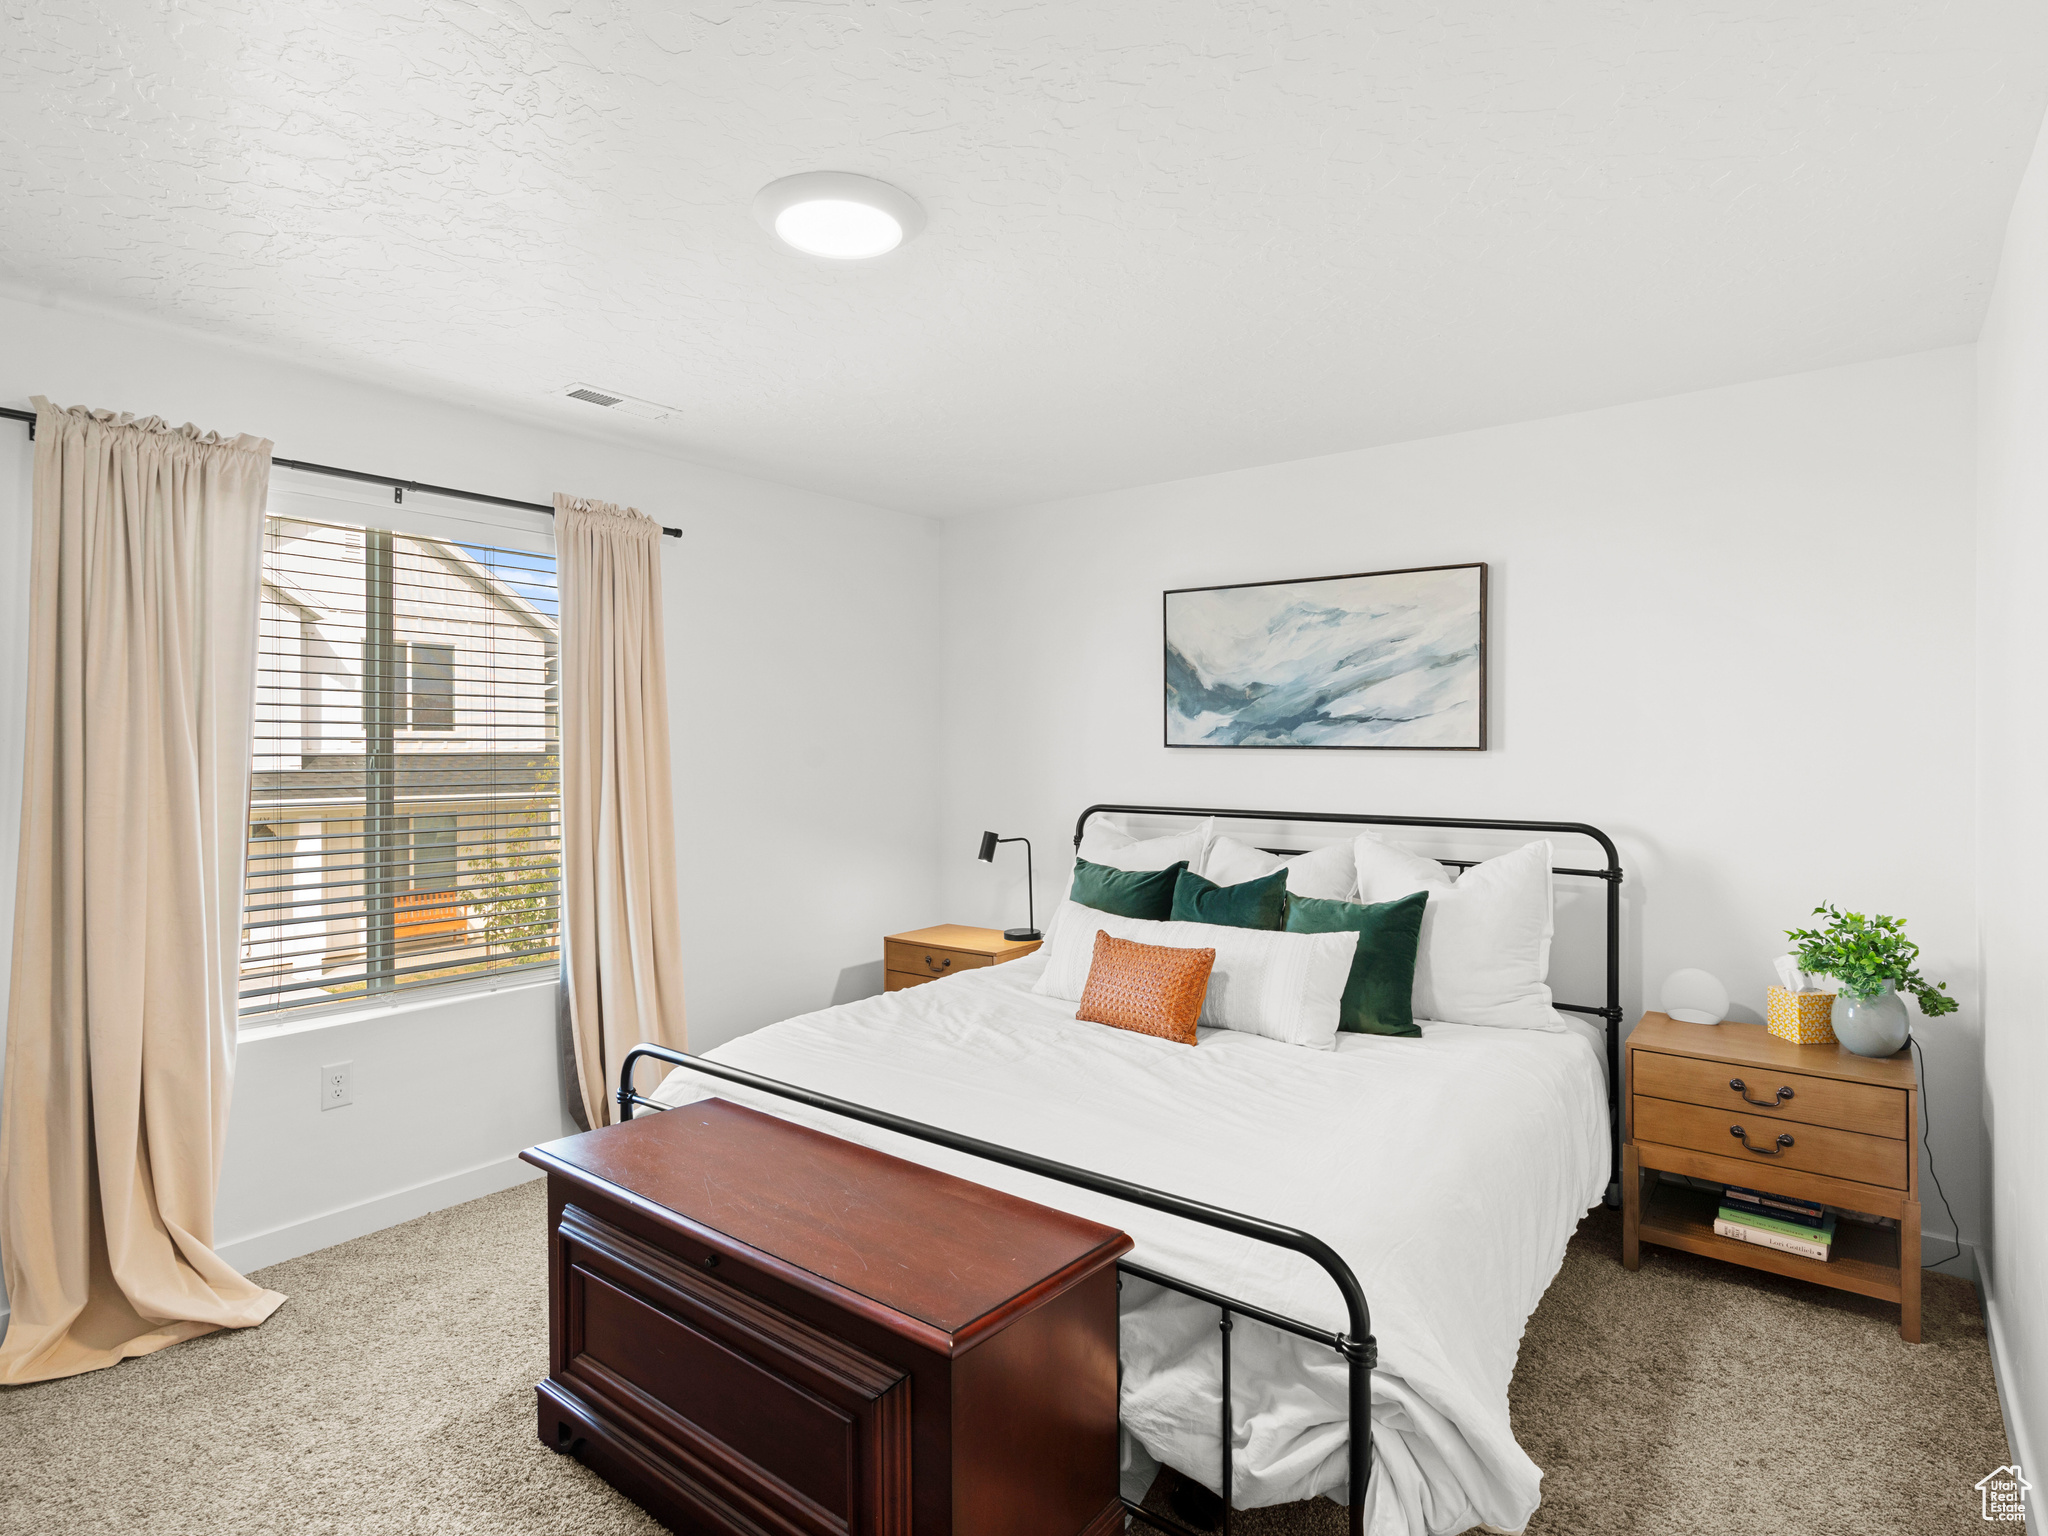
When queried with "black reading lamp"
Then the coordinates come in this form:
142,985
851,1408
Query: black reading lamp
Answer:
988,856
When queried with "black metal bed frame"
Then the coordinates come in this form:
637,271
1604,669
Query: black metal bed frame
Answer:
1356,1344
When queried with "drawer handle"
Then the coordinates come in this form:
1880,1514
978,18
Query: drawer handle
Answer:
938,965
1784,1141
1783,1094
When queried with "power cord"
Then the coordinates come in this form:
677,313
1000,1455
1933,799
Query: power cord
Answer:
1953,1225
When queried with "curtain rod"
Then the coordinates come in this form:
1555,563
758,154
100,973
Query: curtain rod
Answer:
398,487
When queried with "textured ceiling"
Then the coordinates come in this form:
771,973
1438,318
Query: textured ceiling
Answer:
1165,239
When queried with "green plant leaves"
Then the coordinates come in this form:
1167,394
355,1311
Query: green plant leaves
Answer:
1863,953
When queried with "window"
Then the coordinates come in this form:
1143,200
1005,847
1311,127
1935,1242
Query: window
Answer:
404,826
433,687
433,853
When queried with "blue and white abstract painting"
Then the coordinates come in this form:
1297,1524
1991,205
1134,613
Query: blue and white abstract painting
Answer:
1384,659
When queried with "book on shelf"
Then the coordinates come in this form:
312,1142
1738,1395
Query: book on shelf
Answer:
1784,1207
1762,1237
1824,1233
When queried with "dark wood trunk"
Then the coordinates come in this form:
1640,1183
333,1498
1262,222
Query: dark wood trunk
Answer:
757,1328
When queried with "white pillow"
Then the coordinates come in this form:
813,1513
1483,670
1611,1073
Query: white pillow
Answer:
1484,955
1104,842
1387,873
1285,986
1328,873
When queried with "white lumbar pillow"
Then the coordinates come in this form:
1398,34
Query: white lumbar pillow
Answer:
1285,986
1484,956
1104,842
1328,873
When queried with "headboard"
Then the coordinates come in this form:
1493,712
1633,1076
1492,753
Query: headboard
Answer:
1609,1012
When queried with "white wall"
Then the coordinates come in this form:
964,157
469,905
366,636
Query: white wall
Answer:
798,626
2012,736
1732,628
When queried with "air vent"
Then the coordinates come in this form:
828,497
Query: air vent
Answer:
621,404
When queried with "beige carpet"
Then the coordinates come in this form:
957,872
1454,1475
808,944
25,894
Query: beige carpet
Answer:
394,1394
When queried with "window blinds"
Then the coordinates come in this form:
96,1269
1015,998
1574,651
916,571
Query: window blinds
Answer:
404,826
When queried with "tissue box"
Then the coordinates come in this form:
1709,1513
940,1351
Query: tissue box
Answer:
1804,1018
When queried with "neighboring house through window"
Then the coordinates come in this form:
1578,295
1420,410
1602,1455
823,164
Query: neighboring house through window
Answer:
404,822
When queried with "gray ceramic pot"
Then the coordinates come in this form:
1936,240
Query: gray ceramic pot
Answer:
1873,1025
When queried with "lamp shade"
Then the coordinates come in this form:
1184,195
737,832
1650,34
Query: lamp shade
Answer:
988,848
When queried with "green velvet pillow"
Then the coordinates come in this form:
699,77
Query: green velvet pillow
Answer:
1146,893
1260,903
1376,998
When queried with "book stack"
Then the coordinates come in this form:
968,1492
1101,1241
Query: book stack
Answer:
1776,1221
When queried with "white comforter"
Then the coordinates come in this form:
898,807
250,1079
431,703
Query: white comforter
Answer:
1448,1171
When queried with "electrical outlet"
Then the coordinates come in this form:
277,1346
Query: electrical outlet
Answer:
337,1084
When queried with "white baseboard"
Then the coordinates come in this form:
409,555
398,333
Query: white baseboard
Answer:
2016,1435
1939,1249
294,1239
310,1234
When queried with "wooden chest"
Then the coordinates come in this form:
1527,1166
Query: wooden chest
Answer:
755,1327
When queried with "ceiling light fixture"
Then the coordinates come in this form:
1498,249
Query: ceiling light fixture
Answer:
837,214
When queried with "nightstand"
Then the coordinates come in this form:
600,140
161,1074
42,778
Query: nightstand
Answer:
925,954
1734,1104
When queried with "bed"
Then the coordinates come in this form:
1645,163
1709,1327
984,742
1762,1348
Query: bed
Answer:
1439,1176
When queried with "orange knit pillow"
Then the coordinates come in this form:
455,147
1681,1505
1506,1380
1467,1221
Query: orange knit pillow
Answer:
1148,989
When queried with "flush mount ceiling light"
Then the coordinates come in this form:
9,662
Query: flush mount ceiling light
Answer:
838,214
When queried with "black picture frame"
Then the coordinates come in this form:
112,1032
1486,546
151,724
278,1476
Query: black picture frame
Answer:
1166,666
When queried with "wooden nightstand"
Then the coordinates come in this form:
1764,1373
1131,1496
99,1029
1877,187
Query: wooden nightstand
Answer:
925,954
1734,1104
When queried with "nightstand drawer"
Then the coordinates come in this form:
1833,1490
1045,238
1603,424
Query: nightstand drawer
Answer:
1814,1149
1811,1100
896,981
928,960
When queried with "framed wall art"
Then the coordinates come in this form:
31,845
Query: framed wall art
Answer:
1379,659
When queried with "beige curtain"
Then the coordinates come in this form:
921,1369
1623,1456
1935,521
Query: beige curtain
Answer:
622,939
121,1008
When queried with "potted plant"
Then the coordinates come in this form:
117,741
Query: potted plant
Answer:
1871,961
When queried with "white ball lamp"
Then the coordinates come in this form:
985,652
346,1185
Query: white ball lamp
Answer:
838,215
1694,997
